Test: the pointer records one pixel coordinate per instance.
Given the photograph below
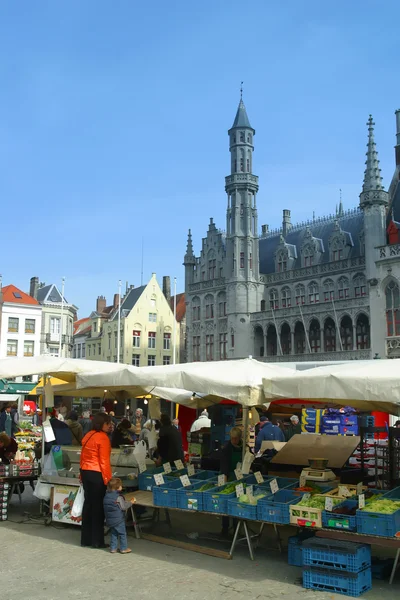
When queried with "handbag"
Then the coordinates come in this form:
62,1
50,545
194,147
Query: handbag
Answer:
77,507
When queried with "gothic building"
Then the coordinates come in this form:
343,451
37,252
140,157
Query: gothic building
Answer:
326,289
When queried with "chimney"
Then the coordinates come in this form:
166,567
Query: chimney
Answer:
264,230
101,304
286,222
166,287
397,147
34,286
116,300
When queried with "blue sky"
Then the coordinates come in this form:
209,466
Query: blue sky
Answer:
114,119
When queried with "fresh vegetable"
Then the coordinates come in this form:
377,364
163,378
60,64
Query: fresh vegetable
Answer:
205,487
230,488
317,502
383,506
244,499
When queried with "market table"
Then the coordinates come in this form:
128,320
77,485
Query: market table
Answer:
14,481
360,538
146,499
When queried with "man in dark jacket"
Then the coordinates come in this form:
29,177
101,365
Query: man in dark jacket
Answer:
231,454
169,443
268,432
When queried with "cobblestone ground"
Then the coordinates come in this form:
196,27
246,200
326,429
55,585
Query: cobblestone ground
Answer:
47,563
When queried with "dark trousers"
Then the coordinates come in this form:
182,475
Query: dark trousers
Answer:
92,533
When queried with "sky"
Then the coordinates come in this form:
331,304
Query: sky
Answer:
114,119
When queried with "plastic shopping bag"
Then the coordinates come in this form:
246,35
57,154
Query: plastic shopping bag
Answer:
77,507
42,490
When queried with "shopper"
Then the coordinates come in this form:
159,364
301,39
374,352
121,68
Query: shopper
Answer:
86,422
6,422
231,455
95,474
8,448
169,443
115,507
122,434
15,414
138,421
75,428
202,422
268,432
294,427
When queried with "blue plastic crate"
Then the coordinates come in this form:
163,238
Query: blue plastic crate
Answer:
215,502
204,475
146,479
336,555
241,510
392,495
336,520
378,524
275,508
188,498
348,584
165,495
295,551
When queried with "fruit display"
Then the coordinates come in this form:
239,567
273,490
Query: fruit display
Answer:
28,436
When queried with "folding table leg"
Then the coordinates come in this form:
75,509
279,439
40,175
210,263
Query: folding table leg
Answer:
167,517
135,523
249,542
231,551
278,537
396,562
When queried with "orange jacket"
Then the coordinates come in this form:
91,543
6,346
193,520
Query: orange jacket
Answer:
95,455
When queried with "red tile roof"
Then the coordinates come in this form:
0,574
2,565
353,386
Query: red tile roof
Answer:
78,325
180,306
17,296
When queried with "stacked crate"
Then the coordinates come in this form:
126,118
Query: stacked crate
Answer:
4,491
337,567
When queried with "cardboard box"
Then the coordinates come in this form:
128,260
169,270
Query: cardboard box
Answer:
300,448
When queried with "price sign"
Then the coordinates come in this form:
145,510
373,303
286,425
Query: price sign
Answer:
344,491
178,464
239,490
221,480
190,470
361,501
238,474
274,486
303,481
249,491
185,480
142,466
259,477
159,479
307,496
167,468
328,504
359,488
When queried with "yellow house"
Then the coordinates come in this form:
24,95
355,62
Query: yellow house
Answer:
147,329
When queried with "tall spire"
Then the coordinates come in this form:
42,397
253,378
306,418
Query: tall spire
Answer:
189,256
241,119
340,211
373,191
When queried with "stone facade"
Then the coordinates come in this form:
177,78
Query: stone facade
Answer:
311,291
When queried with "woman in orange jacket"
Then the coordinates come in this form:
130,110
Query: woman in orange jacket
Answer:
95,474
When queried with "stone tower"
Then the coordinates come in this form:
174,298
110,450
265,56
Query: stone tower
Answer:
373,202
189,262
242,255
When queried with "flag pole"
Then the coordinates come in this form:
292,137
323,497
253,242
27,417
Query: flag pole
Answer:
61,319
119,323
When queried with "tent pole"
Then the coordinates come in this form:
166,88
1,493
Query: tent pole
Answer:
245,427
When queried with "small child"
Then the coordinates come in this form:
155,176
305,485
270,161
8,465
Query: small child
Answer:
115,507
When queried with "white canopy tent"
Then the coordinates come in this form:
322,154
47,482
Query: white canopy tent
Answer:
368,385
238,380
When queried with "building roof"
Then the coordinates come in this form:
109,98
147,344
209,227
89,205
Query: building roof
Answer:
180,307
50,293
129,301
351,223
81,324
16,296
241,119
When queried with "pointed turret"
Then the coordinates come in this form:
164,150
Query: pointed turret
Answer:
340,211
241,119
373,191
189,256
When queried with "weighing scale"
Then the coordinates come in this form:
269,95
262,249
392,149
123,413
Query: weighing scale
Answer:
318,474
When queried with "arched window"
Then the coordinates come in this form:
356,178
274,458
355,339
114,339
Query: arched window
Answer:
299,338
273,299
313,293
300,295
330,335
258,341
222,304
363,333
242,160
249,138
360,288
315,336
343,288
329,290
242,136
272,341
285,339
286,298
346,333
196,308
392,309
282,261
212,266
209,300
262,305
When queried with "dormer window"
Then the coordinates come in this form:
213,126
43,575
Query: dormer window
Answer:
282,261
308,256
337,254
